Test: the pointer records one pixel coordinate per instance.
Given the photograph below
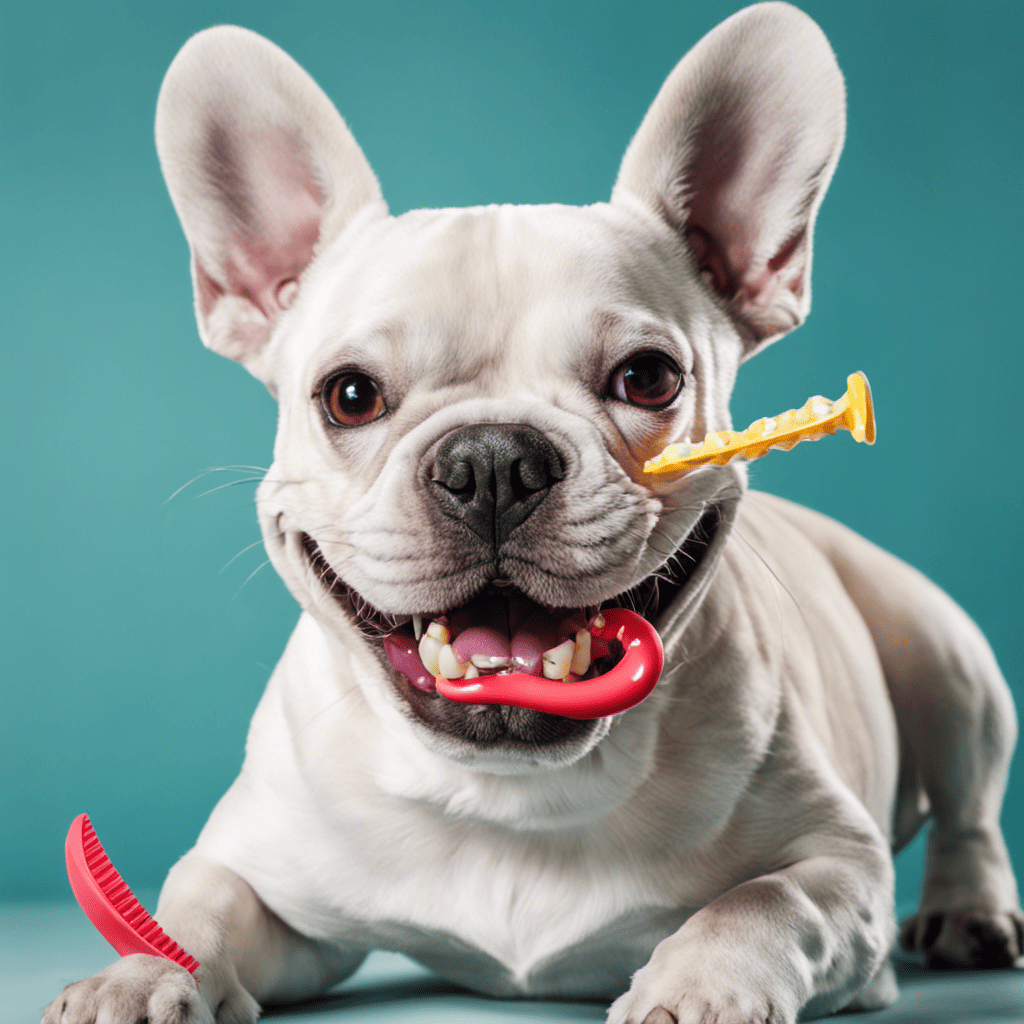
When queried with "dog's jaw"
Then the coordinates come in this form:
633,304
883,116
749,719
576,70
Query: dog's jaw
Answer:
492,738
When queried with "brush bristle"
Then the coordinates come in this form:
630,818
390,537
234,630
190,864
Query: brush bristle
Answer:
123,900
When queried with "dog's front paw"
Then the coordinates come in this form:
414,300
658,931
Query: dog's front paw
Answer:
965,939
682,985
144,988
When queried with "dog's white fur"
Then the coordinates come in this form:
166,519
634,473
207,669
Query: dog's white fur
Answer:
721,852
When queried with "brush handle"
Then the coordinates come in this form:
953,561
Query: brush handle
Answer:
817,417
110,904
624,687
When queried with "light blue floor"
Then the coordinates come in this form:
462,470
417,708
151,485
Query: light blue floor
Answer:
45,946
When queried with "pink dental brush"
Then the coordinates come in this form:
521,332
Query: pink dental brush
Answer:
110,904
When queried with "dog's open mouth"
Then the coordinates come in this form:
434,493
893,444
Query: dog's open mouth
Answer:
496,634
502,631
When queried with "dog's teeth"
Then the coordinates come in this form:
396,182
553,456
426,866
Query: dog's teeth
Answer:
490,661
556,661
598,621
472,672
440,632
417,626
581,656
448,664
430,649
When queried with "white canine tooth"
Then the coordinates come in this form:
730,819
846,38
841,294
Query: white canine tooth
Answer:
558,660
417,626
489,661
430,649
440,632
472,672
581,657
598,621
448,665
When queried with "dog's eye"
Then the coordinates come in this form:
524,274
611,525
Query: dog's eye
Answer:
351,399
650,380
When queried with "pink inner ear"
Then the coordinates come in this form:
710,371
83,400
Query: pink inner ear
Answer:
730,185
711,263
729,278
284,206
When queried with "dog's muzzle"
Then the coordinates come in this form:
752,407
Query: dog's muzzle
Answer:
491,478
501,646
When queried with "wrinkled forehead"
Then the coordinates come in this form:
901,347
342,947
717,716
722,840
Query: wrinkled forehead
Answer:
503,275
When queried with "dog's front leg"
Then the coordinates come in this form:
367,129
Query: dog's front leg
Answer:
815,932
247,957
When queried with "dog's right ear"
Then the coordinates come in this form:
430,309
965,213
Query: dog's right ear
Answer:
263,174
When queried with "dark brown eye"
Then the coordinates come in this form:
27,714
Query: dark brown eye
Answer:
351,399
649,380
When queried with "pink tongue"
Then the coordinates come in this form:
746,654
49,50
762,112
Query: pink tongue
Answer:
402,652
538,633
493,627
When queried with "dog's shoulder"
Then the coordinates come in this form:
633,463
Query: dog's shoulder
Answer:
800,546
873,577
818,529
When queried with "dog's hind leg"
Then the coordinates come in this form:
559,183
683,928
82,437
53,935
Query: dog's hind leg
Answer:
958,726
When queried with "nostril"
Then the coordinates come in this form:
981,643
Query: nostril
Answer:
457,478
528,476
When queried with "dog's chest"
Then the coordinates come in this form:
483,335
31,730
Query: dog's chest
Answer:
503,913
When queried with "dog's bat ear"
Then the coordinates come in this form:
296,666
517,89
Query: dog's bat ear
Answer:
736,153
263,173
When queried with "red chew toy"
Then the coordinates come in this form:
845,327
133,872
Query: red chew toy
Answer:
110,904
618,690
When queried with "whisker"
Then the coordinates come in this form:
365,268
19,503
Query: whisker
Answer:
753,547
262,565
332,706
233,483
214,469
248,547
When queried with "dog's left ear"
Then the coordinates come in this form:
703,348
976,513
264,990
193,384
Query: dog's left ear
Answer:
736,153
263,173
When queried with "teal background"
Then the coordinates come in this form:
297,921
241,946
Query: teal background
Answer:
136,648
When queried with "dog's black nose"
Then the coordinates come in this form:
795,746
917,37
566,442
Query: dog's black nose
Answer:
492,476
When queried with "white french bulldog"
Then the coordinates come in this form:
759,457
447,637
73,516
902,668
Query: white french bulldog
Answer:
467,399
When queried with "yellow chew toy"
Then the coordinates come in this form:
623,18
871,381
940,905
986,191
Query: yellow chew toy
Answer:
814,419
